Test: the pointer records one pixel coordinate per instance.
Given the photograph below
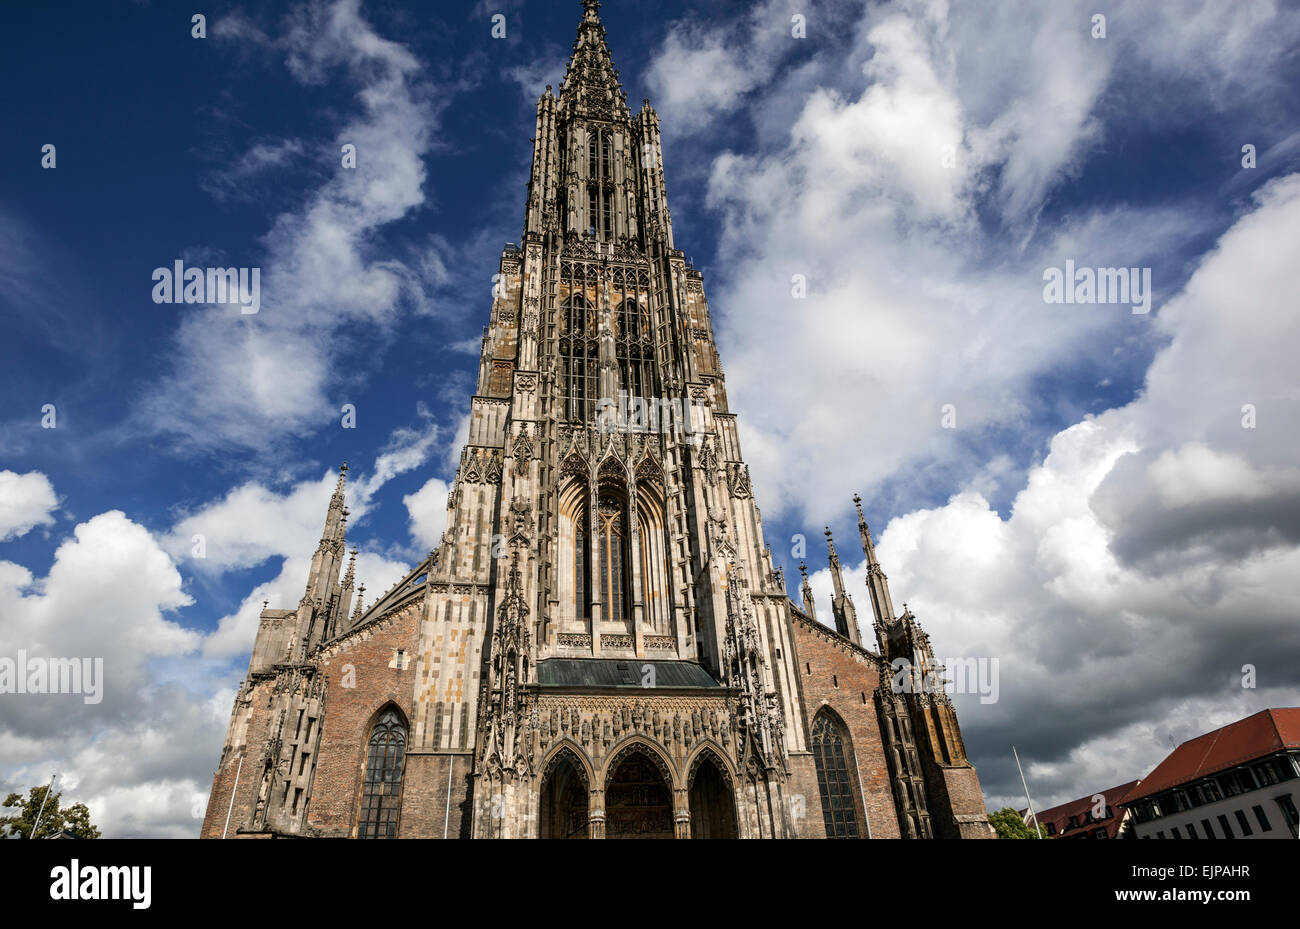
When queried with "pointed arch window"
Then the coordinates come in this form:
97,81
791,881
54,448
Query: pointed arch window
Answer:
830,753
381,797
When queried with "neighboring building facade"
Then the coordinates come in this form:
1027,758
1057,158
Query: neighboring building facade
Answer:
1238,782
1096,816
600,645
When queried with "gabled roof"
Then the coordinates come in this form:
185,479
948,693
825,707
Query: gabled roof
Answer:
1258,736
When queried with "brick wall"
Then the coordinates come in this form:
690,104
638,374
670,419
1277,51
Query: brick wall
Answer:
835,674
432,808
370,663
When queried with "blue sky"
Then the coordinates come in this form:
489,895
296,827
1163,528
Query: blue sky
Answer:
1096,520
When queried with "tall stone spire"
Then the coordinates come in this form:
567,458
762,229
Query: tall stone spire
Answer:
877,583
809,602
591,80
846,616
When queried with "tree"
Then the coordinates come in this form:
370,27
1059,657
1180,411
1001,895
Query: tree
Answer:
54,818
1007,823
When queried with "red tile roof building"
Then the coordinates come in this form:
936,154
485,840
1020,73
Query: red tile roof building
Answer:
1240,781
1096,816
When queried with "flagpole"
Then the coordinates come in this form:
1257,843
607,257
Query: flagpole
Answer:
1026,786
44,800
230,809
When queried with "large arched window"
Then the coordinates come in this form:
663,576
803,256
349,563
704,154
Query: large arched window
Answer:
830,751
612,537
381,796
579,359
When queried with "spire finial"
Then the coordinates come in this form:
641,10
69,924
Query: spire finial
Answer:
338,487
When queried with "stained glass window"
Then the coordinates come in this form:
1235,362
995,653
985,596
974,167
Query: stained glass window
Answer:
833,781
381,797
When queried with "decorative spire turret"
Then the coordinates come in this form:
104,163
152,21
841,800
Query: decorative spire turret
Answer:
319,604
877,583
846,616
343,604
809,602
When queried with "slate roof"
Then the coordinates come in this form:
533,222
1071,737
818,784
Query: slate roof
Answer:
621,672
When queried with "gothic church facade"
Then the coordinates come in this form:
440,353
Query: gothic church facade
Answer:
600,646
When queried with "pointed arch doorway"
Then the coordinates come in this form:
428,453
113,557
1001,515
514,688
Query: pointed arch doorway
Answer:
713,803
638,797
563,806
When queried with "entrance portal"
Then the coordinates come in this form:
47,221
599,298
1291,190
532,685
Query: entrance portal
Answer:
713,808
563,812
638,801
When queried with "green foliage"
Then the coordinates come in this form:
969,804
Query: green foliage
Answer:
54,818
1007,823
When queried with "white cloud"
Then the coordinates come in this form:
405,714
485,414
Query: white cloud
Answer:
1151,554
107,596
249,380
427,509
700,73
26,501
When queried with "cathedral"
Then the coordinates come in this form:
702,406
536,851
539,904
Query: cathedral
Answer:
600,645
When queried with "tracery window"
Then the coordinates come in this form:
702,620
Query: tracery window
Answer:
633,343
579,359
833,780
633,350
381,797
600,183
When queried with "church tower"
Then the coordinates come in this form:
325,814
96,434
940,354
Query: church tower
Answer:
600,645
627,553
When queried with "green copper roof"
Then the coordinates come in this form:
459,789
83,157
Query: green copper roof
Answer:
621,672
